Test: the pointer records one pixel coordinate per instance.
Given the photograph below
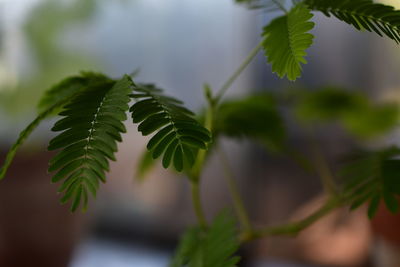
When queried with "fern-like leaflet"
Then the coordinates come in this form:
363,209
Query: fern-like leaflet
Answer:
52,101
178,135
286,39
91,126
362,14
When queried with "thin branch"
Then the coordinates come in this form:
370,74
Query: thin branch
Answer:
294,228
239,70
234,192
198,208
280,6
323,170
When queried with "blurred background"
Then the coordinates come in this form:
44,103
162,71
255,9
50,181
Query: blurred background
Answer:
179,45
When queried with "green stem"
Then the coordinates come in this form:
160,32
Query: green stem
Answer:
233,189
323,170
238,71
198,208
280,6
195,173
296,227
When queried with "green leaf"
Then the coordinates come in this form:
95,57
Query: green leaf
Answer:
214,247
176,131
70,86
91,127
253,117
286,40
362,14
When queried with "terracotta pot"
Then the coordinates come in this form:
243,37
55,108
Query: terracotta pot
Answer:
387,225
386,249
35,230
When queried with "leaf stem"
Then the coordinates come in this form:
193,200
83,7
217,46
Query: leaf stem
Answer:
280,6
238,71
294,228
233,189
27,131
198,208
195,173
323,170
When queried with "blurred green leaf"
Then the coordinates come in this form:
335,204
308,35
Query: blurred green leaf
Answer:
353,110
254,117
214,247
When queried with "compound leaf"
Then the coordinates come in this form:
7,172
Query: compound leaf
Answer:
176,131
91,127
362,14
286,39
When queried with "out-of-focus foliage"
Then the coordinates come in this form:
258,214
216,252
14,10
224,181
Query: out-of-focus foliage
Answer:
353,110
286,39
255,117
214,247
43,31
371,176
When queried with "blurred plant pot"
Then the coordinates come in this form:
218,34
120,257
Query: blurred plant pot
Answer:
35,230
385,226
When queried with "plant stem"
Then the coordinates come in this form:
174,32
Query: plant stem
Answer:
198,208
280,6
296,227
323,170
195,173
238,71
233,189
